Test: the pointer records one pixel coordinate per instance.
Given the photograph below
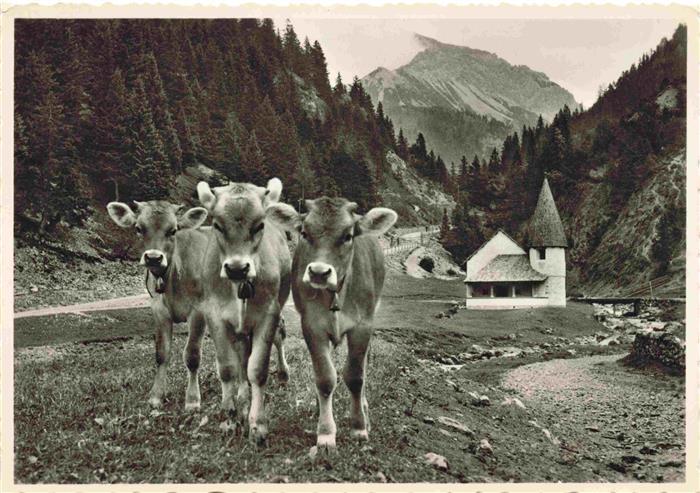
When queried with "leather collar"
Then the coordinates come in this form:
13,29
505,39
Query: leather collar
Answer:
335,302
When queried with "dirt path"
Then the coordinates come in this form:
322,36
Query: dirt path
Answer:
121,303
614,418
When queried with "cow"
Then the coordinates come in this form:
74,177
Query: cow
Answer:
337,280
246,272
173,246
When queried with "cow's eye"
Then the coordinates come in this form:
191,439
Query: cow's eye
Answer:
258,228
304,235
347,238
139,231
171,232
218,228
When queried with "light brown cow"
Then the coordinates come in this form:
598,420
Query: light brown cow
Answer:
247,269
337,279
172,254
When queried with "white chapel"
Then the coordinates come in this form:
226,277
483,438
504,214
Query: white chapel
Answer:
503,275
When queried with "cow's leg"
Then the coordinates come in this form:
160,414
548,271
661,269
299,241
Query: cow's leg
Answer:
163,339
326,378
282,366
354,375
227,363
242,347
258,368
192,356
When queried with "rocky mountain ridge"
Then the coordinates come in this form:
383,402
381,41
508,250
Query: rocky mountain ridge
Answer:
459,84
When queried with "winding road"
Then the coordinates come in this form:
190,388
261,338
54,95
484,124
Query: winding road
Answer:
142,300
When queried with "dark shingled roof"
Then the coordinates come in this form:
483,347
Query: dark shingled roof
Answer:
545,228
507,268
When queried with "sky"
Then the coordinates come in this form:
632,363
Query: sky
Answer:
579,55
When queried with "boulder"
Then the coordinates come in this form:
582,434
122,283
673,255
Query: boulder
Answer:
455,425
513,401
437,461
484,449
658,347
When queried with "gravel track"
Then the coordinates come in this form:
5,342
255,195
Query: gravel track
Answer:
630,421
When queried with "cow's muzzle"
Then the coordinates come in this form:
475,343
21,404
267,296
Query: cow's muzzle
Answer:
320,275
236,273
154,259
238,270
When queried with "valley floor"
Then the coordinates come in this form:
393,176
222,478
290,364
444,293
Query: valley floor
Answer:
560,408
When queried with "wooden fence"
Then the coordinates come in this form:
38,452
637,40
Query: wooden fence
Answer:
403,246
646,290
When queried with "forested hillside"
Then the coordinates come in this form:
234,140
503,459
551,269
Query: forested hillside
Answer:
119,109
617,172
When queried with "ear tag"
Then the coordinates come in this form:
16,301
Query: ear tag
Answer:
335,304
160,285
246,290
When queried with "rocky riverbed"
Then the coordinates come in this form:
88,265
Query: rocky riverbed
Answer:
650,336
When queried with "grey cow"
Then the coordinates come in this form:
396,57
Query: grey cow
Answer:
246,276
172,255
337,280
173,252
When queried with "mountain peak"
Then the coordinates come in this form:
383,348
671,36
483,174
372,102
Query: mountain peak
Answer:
428,43
446,86
431,44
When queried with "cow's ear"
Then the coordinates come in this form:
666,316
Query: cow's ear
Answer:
193,218
284,216
205,194
121,214
377,221
273,192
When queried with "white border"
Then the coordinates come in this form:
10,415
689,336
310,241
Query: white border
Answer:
682,14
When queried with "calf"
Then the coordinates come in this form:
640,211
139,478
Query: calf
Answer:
337,279
246,270
172,253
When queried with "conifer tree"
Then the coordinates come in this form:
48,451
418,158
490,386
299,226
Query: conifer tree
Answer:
292,50
493,161
253,161
188,141
162,118
419,149
402,146
445,224
476,165
150,176
319,71
233,139
339,88
113,135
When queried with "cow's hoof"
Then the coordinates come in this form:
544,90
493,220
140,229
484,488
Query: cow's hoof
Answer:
193,406
325,445
258,436
232,414
155,402
229,407
360,435
283,377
